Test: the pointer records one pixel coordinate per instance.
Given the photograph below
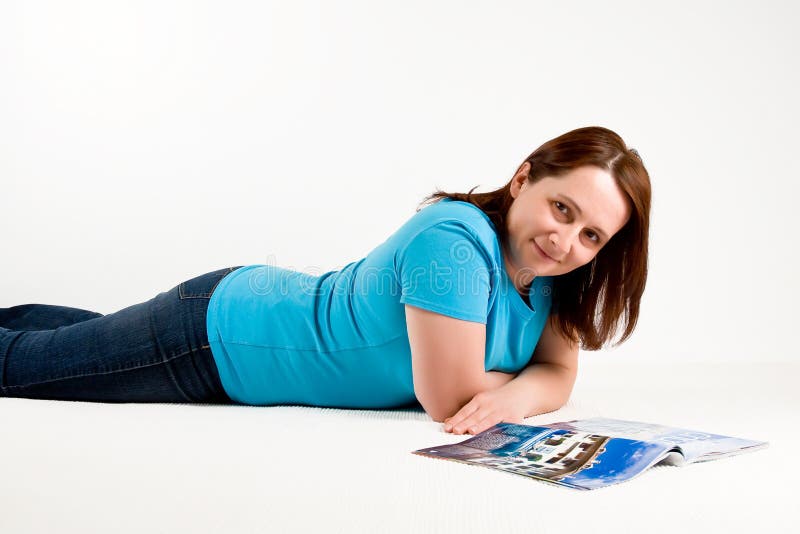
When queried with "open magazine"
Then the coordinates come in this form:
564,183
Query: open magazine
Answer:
588,453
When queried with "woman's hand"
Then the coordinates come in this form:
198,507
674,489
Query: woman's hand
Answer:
485,410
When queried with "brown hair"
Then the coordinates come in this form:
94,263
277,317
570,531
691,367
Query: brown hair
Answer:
593,301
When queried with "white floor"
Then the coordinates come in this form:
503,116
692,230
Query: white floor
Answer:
90,467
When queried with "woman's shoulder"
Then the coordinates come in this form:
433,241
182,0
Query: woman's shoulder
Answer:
448,231
454,229
456,213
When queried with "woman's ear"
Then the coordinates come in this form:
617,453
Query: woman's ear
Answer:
520,179
524,169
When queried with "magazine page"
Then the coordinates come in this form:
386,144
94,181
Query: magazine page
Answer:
569,457
695,446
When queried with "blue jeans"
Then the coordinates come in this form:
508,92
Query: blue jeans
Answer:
155,351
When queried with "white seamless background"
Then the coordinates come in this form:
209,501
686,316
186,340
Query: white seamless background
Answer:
144,143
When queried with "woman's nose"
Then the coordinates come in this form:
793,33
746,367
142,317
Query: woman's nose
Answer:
562,242
558,244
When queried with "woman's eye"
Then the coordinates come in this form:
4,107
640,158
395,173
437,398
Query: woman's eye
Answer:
560,207
593,236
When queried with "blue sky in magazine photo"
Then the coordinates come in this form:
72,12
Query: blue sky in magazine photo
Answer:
621,460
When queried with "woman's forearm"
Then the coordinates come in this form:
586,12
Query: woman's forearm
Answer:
496,379
541,388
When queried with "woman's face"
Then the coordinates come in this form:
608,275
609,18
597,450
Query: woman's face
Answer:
559,224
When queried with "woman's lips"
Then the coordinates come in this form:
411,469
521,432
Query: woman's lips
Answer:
542,253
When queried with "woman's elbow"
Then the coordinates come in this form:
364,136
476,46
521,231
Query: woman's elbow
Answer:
549,405
437,411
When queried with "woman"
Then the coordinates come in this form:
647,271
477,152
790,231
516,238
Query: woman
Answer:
475,308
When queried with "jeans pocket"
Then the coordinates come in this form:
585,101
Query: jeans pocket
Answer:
201,287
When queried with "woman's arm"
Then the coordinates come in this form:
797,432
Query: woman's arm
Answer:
543,386
496,379
546,383
447,356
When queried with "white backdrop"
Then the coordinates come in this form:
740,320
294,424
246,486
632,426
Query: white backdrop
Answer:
146,142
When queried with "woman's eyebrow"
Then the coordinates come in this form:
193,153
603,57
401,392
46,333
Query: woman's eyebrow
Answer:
575,205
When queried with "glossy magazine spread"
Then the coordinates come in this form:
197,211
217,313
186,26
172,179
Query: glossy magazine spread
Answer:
588,453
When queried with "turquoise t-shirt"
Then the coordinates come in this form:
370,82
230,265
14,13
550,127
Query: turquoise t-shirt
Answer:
339,339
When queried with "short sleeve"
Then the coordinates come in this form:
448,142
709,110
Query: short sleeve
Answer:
446,269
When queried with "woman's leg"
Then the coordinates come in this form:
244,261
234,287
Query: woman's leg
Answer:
155,351
42,316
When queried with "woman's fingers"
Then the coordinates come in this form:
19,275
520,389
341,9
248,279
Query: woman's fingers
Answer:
482,424
454,422
474,424
461,417
457,423
485,410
